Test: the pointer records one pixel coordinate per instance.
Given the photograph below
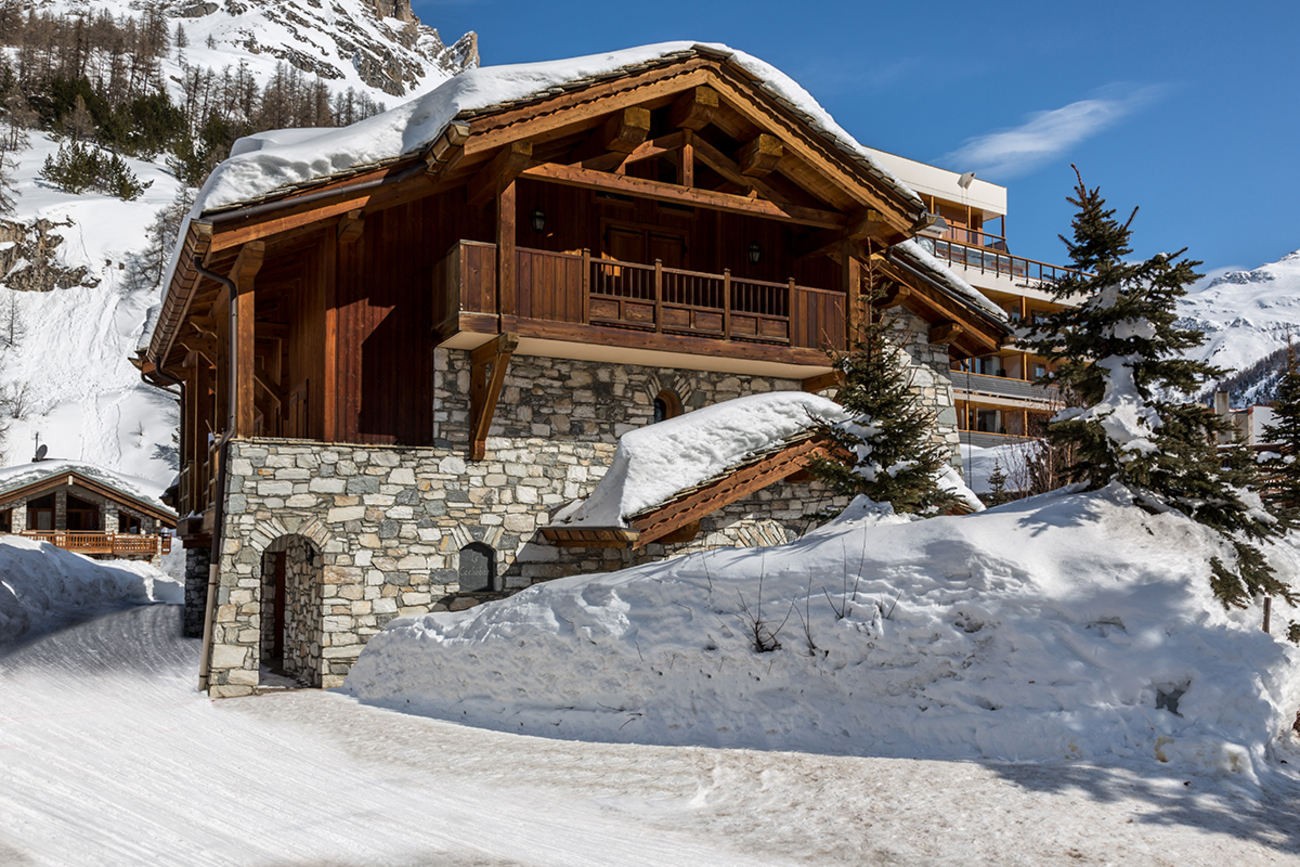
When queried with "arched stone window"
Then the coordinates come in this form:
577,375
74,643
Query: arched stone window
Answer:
667,405
478,568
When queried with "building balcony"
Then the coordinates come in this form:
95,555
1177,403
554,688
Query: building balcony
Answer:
983,261
582,299
974,386
104,544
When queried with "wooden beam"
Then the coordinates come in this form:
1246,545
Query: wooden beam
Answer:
488,366
592,180
242,338
329,267
723,165
760,155
448,151
626,129
688,160
507,232
695,109
351,226
618,162
821,382
502,171
945,332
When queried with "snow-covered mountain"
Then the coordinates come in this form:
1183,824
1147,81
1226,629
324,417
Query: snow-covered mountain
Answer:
64,369
1247,316
376,47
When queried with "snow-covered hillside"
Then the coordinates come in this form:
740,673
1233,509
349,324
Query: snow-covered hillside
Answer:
376,47
1246,315
1062,627
67,376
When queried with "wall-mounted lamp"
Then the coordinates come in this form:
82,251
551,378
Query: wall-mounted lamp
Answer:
539,220
755,253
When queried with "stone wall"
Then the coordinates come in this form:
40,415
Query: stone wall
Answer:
932,381
197,561
387,523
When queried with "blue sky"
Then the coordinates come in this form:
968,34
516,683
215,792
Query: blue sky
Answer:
1189,109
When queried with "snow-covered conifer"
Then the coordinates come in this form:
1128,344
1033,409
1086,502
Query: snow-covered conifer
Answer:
895,461
1120,348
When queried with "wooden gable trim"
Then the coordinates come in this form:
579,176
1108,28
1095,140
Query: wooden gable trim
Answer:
588,179
64,477
689,508
960,324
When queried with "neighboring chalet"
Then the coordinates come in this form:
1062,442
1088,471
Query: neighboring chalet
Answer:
404,346
85,509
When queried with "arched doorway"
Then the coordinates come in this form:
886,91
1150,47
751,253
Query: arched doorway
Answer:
291,611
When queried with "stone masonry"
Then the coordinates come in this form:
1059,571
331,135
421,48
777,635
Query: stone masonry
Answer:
378,530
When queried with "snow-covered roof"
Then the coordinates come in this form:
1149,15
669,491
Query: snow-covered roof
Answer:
911,253
20,476
656,463
281,160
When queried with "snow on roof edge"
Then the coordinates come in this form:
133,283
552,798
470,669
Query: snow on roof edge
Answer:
915,255
19,476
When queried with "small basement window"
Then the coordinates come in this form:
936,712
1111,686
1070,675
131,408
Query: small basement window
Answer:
667,405
478,568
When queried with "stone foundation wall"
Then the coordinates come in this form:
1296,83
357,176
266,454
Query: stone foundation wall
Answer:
197,561
388,523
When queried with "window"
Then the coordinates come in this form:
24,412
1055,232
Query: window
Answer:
667,405
40,514
478,568
129,523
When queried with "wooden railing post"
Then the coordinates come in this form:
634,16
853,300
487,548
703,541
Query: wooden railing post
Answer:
659,294
791,309
726,303
586,286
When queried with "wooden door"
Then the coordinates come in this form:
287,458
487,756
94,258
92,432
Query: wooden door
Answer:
278,560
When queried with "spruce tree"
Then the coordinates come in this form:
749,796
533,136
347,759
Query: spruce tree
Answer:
1120,349
1282,490
893,458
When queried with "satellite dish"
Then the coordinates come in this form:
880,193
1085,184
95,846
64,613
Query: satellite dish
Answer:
41,452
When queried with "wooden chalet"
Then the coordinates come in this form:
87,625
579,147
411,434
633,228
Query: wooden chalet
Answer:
83,509
674,214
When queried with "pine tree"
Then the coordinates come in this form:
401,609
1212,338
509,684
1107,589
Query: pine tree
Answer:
997,494
895,461
1282,491
1120,349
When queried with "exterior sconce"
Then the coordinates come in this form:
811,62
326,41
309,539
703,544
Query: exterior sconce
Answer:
755,253
539,220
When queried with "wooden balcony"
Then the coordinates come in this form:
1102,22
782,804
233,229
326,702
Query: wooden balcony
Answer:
104,544
582,298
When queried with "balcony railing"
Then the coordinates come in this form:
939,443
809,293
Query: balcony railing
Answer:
997,262
1003,386
581,289
112,544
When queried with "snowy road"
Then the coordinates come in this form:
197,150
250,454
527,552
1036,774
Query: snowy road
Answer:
108,756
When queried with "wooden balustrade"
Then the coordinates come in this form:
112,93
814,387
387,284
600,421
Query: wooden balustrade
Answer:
111,544
990,260
579,288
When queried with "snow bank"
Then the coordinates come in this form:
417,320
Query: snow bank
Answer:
279,160
1068,626
42,586
655,463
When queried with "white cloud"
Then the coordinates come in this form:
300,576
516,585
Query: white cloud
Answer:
1045,134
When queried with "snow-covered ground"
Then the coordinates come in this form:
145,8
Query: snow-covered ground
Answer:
1067,626
42,587
108,756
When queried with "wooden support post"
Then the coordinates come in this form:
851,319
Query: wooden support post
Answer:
506,258
242,337
351,226
500,173
793,312
329,277
488,366
851,274
688,160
